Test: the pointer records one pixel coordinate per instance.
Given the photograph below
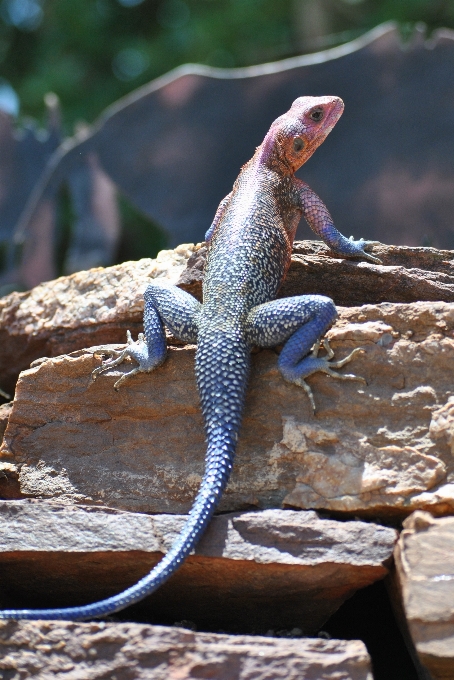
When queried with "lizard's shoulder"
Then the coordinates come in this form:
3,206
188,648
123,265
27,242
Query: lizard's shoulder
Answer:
286,190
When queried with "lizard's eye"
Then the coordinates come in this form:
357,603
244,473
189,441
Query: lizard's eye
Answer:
316,115
298,144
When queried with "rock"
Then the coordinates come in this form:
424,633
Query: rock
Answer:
423,587
191,278
5,412
9,479
384,455
98,306
273,568
86,308
406,274
143,652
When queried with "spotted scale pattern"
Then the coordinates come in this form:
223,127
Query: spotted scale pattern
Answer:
319,219
250,243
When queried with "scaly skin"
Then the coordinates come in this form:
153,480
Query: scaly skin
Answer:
250,244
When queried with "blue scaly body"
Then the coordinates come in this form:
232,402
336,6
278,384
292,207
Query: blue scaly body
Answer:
250,244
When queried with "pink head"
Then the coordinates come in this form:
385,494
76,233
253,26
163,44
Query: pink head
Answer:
293,137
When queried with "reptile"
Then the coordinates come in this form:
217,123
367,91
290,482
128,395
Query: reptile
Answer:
249,251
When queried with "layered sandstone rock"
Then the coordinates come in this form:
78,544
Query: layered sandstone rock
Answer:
375,450
383,448
424,588
89,307
140,652
406,274
99,305
277,568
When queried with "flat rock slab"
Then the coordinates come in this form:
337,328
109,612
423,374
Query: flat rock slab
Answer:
406,274
276,568
425,586
99,305
381,449
86,308
91,651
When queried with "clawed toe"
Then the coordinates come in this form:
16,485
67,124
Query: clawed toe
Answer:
345,360
362,246
310,395
116,357
125,376
111,363
326,365
330,365
371,258
345,376
135,350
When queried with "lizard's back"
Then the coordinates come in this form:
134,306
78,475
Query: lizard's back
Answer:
251,247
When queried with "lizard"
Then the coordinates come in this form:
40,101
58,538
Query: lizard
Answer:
249,251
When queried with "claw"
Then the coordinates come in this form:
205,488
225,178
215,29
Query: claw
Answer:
339,364
125,376
136,350
116,357
362,244
310,395
325,365
371,258
365,241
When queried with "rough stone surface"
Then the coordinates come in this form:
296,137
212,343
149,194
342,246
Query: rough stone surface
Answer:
70,651
406,274
86,308
98,306
5,412
379,449
425,586
273,568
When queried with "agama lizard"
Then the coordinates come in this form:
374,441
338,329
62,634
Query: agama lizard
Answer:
250,244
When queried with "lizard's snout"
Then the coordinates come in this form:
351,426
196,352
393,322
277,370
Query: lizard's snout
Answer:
328,107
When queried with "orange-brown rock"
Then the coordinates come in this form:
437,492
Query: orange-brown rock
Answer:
406,274
379,449
142,652
86,308
99,305
423,584
5,412
276,568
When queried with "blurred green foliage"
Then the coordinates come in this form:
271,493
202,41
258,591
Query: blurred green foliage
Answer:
92,52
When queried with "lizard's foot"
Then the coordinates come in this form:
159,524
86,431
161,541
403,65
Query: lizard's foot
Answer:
361,246
136,350
313,364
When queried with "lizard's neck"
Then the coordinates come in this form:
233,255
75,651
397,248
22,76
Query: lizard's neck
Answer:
269,155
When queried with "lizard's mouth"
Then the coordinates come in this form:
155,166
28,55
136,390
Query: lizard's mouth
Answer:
333,113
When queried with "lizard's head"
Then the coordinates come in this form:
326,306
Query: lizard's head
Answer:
293,137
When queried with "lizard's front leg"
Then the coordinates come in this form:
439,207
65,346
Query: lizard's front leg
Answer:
222,207
300,322
320,221
164,305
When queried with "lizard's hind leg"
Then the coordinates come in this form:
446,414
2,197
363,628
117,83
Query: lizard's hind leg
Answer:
164,305
299,322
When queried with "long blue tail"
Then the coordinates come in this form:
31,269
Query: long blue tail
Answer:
222,409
